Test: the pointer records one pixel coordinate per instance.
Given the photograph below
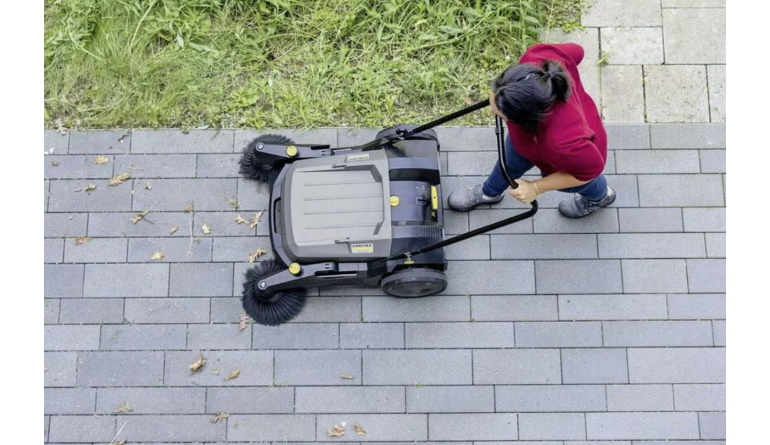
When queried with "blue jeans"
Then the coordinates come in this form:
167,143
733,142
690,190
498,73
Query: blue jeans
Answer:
594,190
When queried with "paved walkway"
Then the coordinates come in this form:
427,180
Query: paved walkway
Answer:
609,330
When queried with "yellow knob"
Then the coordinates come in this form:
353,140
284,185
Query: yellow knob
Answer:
408,262
291,150
294,268
394,201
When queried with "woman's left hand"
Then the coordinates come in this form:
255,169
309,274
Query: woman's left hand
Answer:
526,192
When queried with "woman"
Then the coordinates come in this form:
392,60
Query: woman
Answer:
552,124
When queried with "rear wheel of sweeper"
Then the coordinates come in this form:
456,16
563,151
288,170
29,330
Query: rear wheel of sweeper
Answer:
259,166
270,309
414,282
390,131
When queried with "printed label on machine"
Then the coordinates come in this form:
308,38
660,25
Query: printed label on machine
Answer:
362,248
358,157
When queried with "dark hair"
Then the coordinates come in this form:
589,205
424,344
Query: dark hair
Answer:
524,92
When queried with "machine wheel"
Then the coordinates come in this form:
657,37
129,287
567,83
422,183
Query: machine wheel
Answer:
256,165
414,282
427,134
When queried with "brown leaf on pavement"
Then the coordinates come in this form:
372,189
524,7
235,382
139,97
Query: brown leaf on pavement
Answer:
138,217
124,408
120,442
99,160
82,239
219,416
233,375
206,229
335,431
157,256
255,221
190,208
173,230
117,180
239,219
198,365
90,187
233,202
256,254
346,376
215,372
359,430
244,321
54,163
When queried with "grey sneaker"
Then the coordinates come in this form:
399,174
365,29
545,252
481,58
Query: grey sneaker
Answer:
578,207
468,198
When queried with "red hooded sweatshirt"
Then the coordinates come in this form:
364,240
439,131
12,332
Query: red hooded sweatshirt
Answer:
572,138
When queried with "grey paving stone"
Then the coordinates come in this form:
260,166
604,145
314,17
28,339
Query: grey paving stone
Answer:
717,77
632,46
483,217
642,425
317,367
551,221
239,249
450,399
176,141
694,35
82,428
228,310
147,167
71,338
700,397
720,332
153,400
379,428
694,3
622,89
612,307
455,222
318,136
256,368
297,336
558,334
126,280
63,280
654,276
436,308
640,398
333,309
713,161
100,142
154,224
75,167
712,425
218,336
594,366
174,250
140,337
65,224
69,400
176,194
497,426
254,401
516,367
513,307
167,310
716,245
201,280
476,248
55,142
218,165
53,250
707,275
184,428
552,426
351,136
688,102
51,310
367,399
688,135
60,368
459,335
490,277
646,220
613,13
578,276
658,161
120,368
46,424
550,398
91,310
371,335
467,139
96,250
469,163
68,195
253,196
627,136
697,307
424,366
46,194
677,365
263,428
543,246
590,72
681,191
705,219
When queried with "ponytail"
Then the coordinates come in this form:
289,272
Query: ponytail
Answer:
554,73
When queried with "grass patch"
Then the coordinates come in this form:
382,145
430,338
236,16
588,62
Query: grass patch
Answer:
280,63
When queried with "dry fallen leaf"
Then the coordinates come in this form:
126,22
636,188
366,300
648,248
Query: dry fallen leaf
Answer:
346,376
54,163
120,442
468,100
335,431
147,186
233,202
138,217
255,221
82,239
219,416
244,321
239,219
190,208
206,229
173,229
60,126
124,408
157,256
198,365
233,375
101,160
256,254
359,430
215,372
90,187
117,180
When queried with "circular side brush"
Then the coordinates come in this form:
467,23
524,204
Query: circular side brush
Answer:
275,309
259,166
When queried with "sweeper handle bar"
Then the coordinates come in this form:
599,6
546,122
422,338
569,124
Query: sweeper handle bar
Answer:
500,132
